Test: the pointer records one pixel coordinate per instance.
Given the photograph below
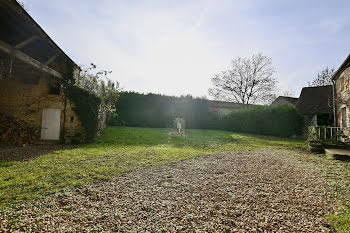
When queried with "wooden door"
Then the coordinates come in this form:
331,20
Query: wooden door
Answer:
50,127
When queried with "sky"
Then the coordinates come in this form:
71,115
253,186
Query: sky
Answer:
175,47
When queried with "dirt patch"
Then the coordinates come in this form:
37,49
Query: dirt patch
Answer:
261,191
28,153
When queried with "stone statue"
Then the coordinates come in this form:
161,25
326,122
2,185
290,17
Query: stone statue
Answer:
179,126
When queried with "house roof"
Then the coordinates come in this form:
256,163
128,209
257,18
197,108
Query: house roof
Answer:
315,100
17,27
342,67
291,100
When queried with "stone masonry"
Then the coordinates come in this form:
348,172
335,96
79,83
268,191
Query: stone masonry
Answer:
26,101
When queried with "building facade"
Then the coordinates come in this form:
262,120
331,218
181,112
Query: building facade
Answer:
32,72
342,86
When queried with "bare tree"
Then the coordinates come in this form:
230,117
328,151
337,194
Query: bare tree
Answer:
288,93
324,78
248,81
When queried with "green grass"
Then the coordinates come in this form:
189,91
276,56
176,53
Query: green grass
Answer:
121,149
341,221
117,151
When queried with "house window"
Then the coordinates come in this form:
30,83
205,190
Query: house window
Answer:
55,89
71,119
343,117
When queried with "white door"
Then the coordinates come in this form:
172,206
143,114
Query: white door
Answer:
50,127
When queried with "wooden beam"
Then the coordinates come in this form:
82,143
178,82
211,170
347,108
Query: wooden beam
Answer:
28,41
51,59
27,59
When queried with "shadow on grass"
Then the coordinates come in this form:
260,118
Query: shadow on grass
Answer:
117,151
212,140
28,153
126,136
343,158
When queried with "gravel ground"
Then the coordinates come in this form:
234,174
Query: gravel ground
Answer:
28,153
260,191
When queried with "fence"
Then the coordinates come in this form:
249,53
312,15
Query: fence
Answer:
321,133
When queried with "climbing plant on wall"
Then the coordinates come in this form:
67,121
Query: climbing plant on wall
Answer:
86,106
94,96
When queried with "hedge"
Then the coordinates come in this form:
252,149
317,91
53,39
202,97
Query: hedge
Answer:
282,120
159,111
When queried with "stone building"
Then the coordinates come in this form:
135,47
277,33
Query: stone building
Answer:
316,104
32,71
342,93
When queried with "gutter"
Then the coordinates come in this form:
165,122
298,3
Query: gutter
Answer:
334,104
64,114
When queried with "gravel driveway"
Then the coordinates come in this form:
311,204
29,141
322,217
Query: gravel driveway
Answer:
260,191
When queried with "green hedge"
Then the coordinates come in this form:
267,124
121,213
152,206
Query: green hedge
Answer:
159,111
86,107
282,120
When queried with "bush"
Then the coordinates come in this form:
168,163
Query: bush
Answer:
282,120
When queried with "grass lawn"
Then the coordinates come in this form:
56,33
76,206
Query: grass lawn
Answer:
122,149
117,151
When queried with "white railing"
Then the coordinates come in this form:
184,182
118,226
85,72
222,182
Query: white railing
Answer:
328,133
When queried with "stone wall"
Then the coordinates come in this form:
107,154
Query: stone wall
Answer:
26,101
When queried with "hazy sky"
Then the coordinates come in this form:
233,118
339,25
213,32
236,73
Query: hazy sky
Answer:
174,47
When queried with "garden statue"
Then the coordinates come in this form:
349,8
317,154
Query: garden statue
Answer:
179,126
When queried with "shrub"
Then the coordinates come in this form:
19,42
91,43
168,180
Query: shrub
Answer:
282,120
